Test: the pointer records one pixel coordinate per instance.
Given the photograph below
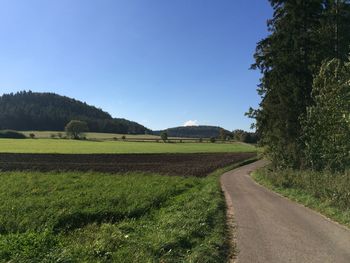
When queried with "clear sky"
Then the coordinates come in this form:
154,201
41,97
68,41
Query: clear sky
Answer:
161,63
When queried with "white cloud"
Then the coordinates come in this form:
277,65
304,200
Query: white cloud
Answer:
191,123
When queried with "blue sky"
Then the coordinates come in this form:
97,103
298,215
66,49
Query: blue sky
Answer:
158,62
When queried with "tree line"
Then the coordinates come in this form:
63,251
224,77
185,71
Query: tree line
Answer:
28,110
201,131
303,118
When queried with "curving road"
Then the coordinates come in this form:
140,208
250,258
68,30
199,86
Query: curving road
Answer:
271,228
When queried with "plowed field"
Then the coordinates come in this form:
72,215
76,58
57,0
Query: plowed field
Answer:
199,164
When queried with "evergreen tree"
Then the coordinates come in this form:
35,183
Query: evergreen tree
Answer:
303,33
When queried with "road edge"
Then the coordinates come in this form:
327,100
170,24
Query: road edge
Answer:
327,218
231,226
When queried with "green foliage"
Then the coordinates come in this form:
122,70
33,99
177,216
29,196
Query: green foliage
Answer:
32,135
75,129
49,111
90,217
212,139
164,136
224,134
302,35
243,136
327,122
11,134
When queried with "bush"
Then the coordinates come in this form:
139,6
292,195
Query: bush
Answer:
32,135
212,139
11,134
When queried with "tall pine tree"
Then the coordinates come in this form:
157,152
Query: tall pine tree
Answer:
303,33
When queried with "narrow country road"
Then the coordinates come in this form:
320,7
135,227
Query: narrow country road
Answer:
272,229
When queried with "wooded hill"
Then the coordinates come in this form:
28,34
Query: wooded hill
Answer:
193,131
48,111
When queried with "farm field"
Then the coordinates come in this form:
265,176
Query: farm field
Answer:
199,164
114,201
105,136
90,135
120,147
96,217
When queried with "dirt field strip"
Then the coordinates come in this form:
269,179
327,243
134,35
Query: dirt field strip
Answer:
270,228
199,164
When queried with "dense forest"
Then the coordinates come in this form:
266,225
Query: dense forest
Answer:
304,115
49,111
201,131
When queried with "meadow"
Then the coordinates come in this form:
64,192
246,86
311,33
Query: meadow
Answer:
115,147
90,135
96,217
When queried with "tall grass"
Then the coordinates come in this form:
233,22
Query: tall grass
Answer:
327,192
94,217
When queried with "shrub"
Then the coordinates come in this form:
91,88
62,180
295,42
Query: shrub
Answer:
212,139
32,135
11,134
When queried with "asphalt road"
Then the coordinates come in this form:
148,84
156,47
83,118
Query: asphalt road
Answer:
270,228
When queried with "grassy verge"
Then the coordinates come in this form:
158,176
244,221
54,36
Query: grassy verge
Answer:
325,192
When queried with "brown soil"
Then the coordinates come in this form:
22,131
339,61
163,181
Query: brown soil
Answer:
199,164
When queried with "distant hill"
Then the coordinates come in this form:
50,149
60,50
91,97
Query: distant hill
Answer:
193,131
49,111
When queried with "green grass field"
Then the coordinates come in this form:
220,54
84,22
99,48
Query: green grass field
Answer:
85,147
89,135
91,217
